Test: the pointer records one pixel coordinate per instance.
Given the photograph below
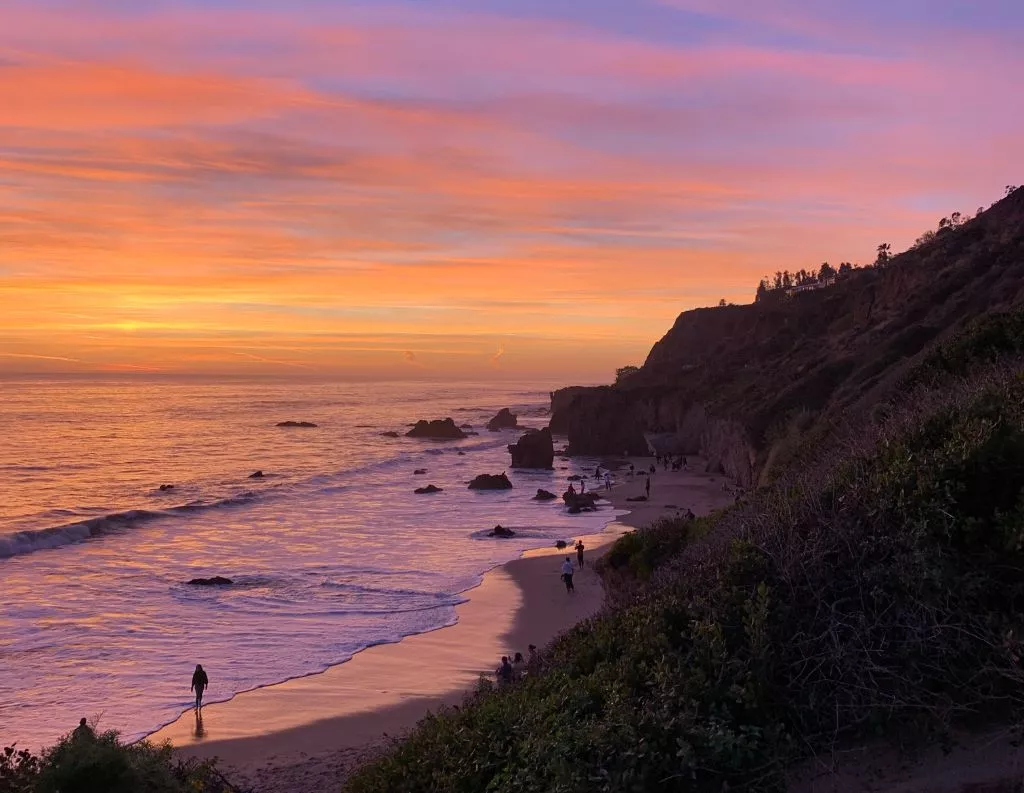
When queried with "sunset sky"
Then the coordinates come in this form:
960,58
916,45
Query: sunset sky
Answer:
497,188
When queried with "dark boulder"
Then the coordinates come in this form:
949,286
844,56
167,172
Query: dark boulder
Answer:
466,426
501,531
462,454
490,482
533,450
560,544
505,420
438,429
580,502
390,434
419,472
428,489
215,581
167,487
637,498
544,495
295,424
256,475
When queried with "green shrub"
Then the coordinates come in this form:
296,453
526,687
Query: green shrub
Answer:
90,763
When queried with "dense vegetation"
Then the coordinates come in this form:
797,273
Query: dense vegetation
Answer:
877,587
90,763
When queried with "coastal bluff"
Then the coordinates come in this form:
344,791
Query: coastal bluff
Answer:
741,384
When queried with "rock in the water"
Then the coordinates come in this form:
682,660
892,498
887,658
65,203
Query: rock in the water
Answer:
215,581
505,419
574,478
637,498
167,487
256,475
295,424
560,543
533,450
438,429
543,495
428,489
466,426
501,531
390,434
462,453
490,482
580,502
419,472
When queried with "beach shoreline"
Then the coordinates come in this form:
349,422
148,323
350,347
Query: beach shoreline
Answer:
309,732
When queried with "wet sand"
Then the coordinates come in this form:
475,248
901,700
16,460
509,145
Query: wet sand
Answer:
307,734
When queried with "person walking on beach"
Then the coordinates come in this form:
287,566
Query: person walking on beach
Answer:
579,553
567,574
607,481
648,488
199,683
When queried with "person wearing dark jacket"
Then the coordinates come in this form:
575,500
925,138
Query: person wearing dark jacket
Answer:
199,683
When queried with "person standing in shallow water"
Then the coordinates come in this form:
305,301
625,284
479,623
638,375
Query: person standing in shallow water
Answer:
567,574
579,553
648,487
199,684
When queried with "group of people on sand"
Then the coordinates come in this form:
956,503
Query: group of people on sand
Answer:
512,670
678,462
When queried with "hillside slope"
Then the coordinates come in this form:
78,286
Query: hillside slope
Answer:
738,382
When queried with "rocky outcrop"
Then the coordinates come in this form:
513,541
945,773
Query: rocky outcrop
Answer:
490,482
501,531
544,495
419,472
741,385
256,475
438,429
306,424
428,489
390,434
505,420
215,581
164,488
533,450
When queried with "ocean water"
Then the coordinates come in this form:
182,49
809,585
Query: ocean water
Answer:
330,551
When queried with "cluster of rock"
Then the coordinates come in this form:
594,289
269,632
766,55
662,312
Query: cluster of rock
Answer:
505,420
438,429
428,489
491,482
295,424
215,581
544,495
580,502
501,531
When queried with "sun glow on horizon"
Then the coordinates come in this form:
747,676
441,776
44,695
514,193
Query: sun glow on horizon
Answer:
403,191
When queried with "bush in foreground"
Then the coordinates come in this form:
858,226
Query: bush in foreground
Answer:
102,764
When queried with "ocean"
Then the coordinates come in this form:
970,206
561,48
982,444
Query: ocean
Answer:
330,551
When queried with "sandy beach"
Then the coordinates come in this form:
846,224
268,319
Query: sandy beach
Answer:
306,734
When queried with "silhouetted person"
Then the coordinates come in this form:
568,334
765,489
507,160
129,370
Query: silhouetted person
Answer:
504,672
532,650
518,667
579,552
199,683
572,490
583,487
648,488
83,732
567,574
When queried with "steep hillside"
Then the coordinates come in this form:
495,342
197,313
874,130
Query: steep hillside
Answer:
741,384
